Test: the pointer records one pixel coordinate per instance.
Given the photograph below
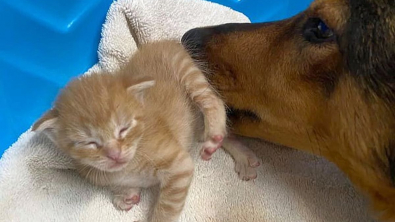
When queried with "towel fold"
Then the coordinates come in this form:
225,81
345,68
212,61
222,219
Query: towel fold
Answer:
38,182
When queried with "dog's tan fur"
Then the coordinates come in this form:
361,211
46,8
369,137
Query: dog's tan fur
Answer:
315,97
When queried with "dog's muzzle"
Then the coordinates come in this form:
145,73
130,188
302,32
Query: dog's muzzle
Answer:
197,40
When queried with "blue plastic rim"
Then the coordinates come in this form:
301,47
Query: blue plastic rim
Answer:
46,42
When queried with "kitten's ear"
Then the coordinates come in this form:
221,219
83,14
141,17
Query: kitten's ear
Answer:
139,86
48,123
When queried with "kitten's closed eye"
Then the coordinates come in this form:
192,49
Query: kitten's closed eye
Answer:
123,132
88,144
126,129
92,145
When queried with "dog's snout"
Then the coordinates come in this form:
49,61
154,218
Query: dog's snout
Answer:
197,39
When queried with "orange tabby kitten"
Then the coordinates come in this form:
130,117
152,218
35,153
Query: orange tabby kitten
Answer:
133,128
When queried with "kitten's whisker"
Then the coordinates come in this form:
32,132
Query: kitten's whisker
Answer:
87,175
104,177
147,157
97,176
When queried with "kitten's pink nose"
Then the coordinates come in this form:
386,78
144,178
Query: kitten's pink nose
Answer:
114,154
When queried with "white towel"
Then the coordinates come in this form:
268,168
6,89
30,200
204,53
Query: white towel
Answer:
38,183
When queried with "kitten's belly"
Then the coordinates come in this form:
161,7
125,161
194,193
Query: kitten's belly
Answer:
136,180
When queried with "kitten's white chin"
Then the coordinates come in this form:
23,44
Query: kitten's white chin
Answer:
112,167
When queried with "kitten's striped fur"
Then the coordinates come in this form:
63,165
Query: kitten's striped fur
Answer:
134,128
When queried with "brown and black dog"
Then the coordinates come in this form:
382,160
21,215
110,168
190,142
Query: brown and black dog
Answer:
322,81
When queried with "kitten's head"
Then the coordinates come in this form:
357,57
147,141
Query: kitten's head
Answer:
98,120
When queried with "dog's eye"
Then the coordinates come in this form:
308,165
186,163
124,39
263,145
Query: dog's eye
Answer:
316,31
324,31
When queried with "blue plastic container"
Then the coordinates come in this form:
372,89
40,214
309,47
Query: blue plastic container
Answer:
266,10
44,43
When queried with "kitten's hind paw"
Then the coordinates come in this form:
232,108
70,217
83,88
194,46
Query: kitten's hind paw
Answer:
210,146
246,161
126,199
246,167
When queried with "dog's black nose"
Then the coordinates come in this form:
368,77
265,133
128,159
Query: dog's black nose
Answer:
195,39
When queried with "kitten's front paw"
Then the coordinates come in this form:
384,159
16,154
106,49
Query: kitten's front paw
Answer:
211,145
127,199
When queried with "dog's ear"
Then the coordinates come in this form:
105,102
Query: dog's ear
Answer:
368,44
